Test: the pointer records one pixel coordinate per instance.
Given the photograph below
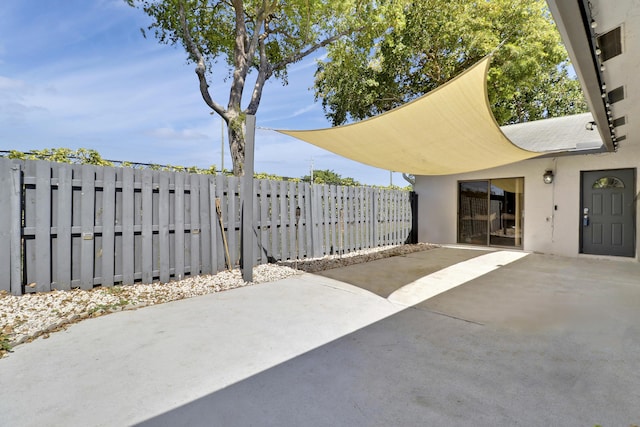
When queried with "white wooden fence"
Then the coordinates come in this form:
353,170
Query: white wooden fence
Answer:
78,226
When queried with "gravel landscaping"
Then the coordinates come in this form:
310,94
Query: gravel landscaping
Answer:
24,318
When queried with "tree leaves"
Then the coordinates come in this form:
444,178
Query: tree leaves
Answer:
435,40
263,36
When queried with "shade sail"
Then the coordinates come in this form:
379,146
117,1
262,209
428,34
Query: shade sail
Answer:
447,131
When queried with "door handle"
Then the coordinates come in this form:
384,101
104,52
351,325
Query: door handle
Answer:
585,217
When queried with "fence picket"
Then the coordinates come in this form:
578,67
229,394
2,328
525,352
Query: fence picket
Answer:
308,225
255,227
15,207
348,223
316,213
263,235
205,225
339,221
163,226
326,231
6,225
128,227
293,225
43,227
358,217
364,205
283,221
87,219
84,225
194,235
179,226
274,220
221,191
333,248
233,201
10,221
147,227
108,225
213,232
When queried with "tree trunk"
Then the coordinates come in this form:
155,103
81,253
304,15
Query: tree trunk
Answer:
236,132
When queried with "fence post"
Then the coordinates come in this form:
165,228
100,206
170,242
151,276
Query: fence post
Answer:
316,214
247,260
16,225
374,217
413,234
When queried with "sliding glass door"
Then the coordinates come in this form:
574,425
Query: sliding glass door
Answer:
490,212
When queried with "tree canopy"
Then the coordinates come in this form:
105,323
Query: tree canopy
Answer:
438,39
258,40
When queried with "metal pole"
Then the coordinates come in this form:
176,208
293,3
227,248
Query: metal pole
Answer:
247,261
221,144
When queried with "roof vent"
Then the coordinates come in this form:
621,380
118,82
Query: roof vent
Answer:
616,95
610,44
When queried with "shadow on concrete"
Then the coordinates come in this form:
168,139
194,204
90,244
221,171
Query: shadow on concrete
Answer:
384,276
542,341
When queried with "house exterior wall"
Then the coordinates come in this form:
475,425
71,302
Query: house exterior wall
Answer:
546,230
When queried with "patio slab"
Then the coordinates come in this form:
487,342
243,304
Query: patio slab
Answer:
512,347
540,341
385,276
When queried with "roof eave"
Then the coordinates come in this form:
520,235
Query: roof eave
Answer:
577,37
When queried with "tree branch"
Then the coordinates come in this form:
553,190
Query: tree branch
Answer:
240,61
201,66
298,56
264,72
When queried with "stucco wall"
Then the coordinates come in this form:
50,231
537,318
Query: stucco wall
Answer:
546,229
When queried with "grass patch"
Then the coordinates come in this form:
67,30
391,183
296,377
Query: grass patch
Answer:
5,344
107,308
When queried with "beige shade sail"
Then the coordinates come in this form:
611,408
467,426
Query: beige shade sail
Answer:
447,131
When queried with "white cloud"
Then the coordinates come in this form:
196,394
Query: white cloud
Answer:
9,85
172,134
89,79
306,109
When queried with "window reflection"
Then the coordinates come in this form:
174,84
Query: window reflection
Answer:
608,182
491,212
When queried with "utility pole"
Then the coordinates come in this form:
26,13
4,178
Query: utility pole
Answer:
246,184
311,175
221,144
390,178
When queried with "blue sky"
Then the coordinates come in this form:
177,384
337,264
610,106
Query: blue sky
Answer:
78,73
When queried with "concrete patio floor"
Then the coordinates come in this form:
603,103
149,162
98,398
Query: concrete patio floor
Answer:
539,341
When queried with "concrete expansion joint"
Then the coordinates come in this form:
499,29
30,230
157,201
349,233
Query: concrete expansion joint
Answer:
439,313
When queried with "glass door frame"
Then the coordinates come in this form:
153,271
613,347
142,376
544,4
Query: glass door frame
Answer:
504,216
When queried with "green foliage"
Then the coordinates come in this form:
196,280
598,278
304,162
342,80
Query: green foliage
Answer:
275,34
437,40
394,187
83,156
100,309
327,176
258,39
91,157
269,176
5,344
87,156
